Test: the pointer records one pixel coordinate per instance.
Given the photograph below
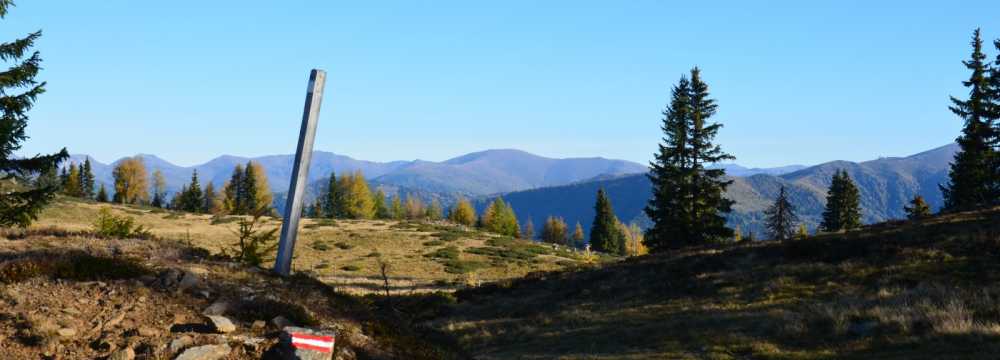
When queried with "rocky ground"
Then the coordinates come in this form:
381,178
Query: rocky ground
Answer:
71,296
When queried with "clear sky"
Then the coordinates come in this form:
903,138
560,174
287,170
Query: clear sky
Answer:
798,82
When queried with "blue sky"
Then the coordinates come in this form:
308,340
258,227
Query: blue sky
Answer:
798,82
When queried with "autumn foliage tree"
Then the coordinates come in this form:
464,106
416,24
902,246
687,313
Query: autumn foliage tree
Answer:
131,183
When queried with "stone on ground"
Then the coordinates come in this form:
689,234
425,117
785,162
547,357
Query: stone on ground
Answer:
205,352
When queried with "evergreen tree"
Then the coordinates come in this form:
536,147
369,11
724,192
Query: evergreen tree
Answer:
332,201
973,182
528,231
463,213
604,233
102,194
688,206
233,193
843,209
48,178
20,205
918,209
192,200
63,177
554,230
381,209
248,201
781,218
578,237
87,180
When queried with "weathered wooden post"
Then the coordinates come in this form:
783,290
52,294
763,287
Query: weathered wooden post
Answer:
300,173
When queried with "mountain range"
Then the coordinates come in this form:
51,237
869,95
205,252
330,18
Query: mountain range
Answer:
475,174
885,186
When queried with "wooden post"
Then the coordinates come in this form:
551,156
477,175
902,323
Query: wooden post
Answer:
300,173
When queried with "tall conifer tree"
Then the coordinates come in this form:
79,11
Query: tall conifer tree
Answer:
781,218
87,180
102,194
604,233
973,183
688,204
19,206
843,204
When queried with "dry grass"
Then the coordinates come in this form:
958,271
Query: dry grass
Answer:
342,252
905,290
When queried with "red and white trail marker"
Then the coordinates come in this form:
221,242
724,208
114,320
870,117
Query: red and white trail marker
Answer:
319,343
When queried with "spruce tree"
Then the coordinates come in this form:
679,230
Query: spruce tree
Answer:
20,205
102,194
381,209
48,178
843,209
233,192
249,191
688,204
918,209
973,183
333,202
604,233
87,180
192,200
781,218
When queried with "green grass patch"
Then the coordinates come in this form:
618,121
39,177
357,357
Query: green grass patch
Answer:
351,268
344,246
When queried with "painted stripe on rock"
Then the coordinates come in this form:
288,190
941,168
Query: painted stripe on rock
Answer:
312,342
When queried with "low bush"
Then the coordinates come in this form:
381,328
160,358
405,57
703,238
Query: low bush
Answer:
109,225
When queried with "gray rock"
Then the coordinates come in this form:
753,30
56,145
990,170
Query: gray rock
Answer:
123,354
217,308
180,343
258,324
281,322
176,279
222,324
298,351
205,352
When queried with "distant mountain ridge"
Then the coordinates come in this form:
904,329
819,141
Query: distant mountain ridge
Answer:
475,174
885,184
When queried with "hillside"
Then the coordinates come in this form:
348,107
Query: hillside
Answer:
904,290
424,256
886,185
480,173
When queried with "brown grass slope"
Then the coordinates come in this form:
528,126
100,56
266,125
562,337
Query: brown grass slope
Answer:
904,290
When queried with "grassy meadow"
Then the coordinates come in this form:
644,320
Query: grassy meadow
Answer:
421,256
902,290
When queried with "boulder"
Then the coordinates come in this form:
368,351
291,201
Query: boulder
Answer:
180,343
221,324
205,352
123,354
307,344
217,308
